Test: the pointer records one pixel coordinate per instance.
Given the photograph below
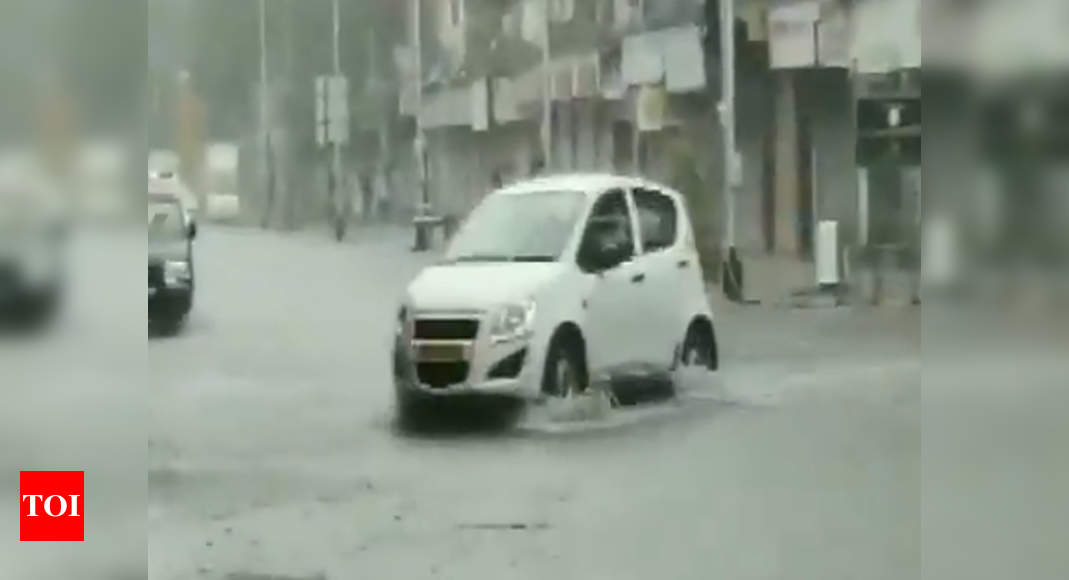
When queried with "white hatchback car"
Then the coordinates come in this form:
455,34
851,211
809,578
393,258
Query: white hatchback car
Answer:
553,284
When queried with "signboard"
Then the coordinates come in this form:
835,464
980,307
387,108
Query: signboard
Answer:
652,108
887,35
833,37
480,105
642,60
792,35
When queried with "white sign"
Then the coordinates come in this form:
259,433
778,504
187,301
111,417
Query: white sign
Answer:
792,35
833,38
887,35
642,60
652,104
480,105
827,255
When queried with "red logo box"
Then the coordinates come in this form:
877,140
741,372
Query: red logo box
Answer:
51,506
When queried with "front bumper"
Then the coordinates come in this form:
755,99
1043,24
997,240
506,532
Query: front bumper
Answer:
483,370
16,287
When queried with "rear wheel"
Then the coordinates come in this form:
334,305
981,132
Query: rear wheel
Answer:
699,350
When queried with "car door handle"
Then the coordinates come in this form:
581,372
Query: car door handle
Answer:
638,278
683,263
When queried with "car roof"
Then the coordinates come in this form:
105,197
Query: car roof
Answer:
591,184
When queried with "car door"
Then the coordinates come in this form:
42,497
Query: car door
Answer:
613,317
657,217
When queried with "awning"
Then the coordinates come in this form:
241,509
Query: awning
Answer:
447,108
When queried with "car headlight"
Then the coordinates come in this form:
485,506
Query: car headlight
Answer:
175,271
513,322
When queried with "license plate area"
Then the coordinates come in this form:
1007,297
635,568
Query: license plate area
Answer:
440,351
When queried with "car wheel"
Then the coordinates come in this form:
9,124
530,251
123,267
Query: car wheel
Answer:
411,409
36,311
698,349
564,375
168,326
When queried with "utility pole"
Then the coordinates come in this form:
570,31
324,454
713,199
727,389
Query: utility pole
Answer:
335,167
422,242
546,132
264,133
732,267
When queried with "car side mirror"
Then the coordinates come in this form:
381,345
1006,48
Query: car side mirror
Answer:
192,230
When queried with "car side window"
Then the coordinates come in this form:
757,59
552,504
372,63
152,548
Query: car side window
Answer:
610,220
658,219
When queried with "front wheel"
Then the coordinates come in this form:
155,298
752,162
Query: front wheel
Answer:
564,375
411,409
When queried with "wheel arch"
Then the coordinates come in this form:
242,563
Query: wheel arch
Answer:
572,334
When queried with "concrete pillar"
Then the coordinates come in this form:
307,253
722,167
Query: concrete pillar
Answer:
785,164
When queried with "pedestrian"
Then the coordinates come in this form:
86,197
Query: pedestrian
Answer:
367,196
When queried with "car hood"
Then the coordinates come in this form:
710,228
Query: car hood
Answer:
479,285
160,250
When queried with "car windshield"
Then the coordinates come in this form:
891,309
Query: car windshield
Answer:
165,220
518,227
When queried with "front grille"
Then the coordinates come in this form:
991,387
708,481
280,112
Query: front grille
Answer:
445,328
155,276
442,374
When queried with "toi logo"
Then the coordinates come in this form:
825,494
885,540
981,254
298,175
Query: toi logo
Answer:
51,506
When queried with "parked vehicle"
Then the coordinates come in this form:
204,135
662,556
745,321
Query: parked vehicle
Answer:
169,183
34,226
171,231
552,285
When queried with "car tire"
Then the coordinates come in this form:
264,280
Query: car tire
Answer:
411,409
564,374
36,311
168,326
699,348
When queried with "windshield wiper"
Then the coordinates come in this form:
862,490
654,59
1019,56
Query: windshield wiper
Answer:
505,258
482,258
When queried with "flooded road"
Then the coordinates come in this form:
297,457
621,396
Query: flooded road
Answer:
273,448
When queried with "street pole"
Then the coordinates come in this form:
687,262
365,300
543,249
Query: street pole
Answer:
264,134
339,188
422,241
732,267
546,132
